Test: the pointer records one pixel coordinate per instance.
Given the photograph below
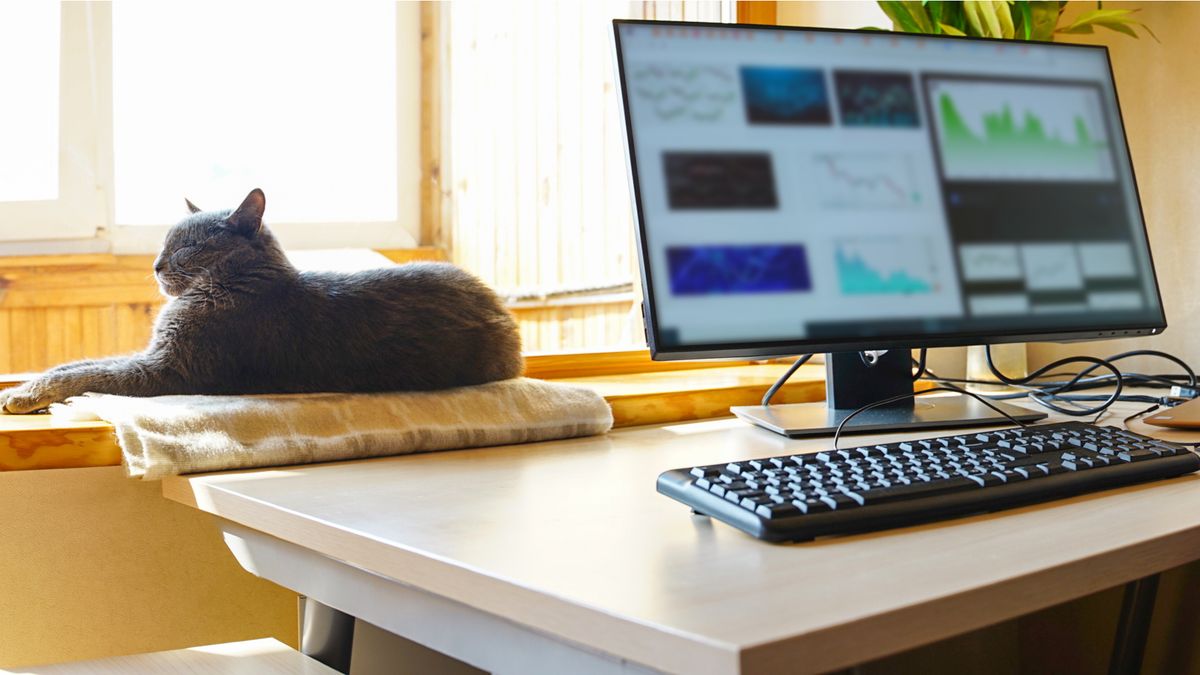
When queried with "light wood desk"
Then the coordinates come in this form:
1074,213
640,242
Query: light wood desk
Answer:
561,557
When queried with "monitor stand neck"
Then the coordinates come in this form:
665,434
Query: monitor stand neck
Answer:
851,384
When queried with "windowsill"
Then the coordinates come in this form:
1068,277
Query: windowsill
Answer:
40,442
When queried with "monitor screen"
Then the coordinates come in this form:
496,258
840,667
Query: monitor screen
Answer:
801,190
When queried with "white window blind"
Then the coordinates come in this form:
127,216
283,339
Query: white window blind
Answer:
534,162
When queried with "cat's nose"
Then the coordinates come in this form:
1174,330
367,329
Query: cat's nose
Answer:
159,264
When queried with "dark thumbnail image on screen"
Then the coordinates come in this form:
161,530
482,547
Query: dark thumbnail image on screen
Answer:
785,95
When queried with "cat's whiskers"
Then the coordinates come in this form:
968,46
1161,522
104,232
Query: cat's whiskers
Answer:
214,292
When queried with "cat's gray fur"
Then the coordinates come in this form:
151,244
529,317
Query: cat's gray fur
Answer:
241,320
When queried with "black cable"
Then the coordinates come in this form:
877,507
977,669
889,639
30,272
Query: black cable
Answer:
1045,392
1150,381
1083,374
1113,398
841,425
766,399
920,365
1134,416
1191,375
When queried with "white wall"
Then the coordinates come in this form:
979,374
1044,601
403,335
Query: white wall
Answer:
844,14
1159,91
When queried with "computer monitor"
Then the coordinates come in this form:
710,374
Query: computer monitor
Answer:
804,190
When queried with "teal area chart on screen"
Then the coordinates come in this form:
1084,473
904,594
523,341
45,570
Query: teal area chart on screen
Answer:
885,266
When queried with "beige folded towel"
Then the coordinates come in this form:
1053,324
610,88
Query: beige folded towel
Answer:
168,435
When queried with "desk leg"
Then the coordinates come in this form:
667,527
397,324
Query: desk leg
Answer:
326,634
1133,627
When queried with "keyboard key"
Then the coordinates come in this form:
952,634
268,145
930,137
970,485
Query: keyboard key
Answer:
917,490
752,503
1137,455
776,511
811,506
1025,461
855,496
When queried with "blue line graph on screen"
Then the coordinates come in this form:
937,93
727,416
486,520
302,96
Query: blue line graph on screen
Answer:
725,270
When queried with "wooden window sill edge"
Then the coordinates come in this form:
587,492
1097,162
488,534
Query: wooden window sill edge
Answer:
29,442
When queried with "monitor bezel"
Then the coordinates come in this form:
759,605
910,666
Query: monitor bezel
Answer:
776,348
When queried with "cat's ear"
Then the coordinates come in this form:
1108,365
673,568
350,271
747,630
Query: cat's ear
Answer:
246,219
192,208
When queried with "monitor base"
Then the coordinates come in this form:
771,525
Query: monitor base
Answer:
938,411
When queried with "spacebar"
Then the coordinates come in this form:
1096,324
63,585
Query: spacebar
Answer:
918,490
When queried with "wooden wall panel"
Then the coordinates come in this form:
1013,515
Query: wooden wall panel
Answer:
5,343
54,310
598,326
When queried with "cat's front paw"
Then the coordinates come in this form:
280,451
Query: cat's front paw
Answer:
25,399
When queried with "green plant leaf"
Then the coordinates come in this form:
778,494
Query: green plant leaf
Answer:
1024,18
1044,15
1100,15
990,13
935,13
951,30
953,13
974,24
874,28
1119,20
1004,17
921,15
902,20
1119,27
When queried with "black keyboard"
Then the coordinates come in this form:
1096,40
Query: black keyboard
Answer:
798,497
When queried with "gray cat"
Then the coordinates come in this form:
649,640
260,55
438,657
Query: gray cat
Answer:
242,320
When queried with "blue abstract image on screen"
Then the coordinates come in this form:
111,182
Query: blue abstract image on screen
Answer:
785,95
724,270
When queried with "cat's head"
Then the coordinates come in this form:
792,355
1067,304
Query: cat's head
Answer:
221,249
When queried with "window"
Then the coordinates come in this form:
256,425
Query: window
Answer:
316,103
313,102
533,163
48,150
29,132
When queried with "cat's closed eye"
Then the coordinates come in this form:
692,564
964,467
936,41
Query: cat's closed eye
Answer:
183,253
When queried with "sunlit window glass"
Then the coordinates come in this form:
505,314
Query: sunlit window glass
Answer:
29,57
212,99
